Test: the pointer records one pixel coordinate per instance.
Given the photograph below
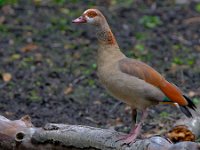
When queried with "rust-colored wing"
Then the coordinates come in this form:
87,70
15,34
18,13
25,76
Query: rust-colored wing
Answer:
151,76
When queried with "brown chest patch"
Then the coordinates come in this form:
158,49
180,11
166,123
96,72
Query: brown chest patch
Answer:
106,36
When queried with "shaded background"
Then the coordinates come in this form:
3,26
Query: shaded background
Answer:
48,65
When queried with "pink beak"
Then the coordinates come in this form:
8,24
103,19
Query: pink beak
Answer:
80,19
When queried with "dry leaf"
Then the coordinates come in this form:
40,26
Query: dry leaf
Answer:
38,57
127,109
197,48
8,10
92,120
118,121
115,122
8,113
68,90
29,47
6,77
64,11
191,94
66,46
97,102
2,19
11,42
174,68
77,55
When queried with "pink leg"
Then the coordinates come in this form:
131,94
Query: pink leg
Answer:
131,137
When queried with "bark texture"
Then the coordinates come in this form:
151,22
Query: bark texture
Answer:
22,135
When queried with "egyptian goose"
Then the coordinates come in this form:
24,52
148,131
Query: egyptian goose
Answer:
130,80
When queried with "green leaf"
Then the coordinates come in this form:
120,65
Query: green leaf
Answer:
164,114
6,2
141,36
94,65
177,61
196,100
150,21
139,47
197,7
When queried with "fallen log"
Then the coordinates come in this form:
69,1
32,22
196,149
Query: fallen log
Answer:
22,135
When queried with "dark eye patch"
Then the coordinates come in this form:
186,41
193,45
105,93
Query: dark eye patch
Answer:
91,14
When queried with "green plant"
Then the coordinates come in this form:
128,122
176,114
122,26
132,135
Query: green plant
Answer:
59,1
94,66
33,96
141,36
150,21
15,56
6,2
190,62
196,100
177,61
60,24
122,2
197,7
26,62
164,114
3,28
176,46
139,47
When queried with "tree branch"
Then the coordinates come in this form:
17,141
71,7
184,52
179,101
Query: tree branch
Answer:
22,135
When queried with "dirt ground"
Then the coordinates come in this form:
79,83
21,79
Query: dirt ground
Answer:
48,65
